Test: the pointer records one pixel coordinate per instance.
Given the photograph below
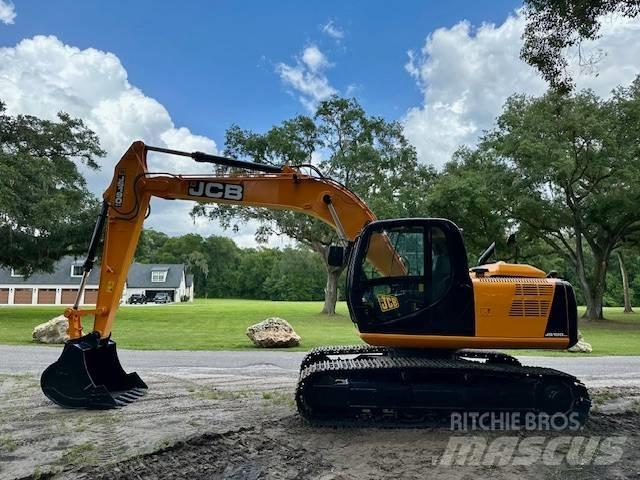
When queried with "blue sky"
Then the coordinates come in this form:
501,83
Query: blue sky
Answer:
178,74
212,63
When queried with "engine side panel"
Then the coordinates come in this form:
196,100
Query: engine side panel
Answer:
512,306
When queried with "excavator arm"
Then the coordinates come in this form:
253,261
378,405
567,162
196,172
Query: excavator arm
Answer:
127,200
125,206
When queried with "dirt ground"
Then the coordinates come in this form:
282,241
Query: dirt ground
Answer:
244,426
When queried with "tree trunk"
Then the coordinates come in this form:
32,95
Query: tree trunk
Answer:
625,283
594,290
331,290
333,277
594,308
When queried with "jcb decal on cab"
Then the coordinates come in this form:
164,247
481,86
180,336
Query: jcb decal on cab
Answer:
388,302
226,191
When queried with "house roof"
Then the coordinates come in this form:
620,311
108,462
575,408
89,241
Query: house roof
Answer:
139,275
61,275
189,280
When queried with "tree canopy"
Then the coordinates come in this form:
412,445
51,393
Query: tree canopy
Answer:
554,26
569,176
369,155
46,210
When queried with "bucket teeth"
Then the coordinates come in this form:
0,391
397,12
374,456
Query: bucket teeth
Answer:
127,397
88,374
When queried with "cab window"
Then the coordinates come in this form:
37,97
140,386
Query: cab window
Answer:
405,269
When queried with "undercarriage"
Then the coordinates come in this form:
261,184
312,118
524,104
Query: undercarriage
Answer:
379,386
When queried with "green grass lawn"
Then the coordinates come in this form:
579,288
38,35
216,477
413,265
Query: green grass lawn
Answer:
221,324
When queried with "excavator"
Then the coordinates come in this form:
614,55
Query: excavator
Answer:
430,324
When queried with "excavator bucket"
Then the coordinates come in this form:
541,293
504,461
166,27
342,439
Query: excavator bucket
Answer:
88,374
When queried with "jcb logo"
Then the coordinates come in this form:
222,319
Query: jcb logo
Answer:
225,191
388,302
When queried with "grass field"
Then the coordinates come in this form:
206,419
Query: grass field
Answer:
220,325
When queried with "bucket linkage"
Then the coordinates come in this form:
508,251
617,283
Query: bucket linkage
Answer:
88,374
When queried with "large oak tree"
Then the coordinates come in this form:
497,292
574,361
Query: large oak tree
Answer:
46,210
554,26
367,154
571,165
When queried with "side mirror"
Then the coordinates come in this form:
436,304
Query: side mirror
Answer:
335,257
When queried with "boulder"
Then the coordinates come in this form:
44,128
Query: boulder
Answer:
273,333
581,346
53,331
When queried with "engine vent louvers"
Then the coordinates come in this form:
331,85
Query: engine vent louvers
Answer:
533,290
531,300
529,308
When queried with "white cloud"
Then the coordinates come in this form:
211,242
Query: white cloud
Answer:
7,12
332,30
307,77
314,59
42,76
465,75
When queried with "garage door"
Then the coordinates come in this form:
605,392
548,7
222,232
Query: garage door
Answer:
4,295
68,296
22,296
91,296
47,295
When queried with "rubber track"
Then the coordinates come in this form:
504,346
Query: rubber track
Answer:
371,359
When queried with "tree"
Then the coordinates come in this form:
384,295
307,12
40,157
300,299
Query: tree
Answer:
150,243
46,211
255,268
296,276
367,154
625,283
554,26
573,174
467,192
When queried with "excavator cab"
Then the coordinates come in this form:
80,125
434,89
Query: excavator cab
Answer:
408,287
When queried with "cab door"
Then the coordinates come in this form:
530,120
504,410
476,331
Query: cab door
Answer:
410,276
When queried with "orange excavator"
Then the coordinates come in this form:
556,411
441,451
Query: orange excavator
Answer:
427,320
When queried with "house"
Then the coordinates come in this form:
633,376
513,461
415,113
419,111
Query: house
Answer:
149,279
60,287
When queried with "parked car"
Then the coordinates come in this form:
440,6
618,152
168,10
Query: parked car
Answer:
162,297
137,298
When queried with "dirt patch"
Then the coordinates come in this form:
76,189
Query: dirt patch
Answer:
236,425
288,449
38,438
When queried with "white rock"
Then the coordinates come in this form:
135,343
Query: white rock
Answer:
273,332
581,346
53,331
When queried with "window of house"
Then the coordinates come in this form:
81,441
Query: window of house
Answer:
76,270
158,276
15,274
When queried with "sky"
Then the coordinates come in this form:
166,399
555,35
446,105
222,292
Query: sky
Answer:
178,74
